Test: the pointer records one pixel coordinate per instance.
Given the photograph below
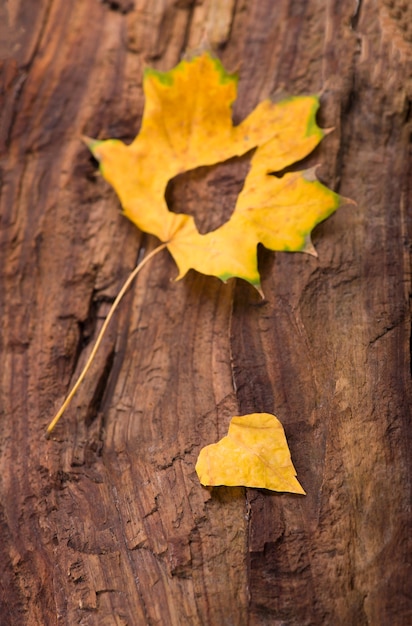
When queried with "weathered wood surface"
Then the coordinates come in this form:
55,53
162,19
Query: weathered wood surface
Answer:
106,523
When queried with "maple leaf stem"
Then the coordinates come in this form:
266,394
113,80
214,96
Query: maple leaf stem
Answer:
103,329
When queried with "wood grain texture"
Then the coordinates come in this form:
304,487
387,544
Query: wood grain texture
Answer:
106,523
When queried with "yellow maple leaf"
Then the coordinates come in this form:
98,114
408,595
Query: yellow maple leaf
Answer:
187,123
254,453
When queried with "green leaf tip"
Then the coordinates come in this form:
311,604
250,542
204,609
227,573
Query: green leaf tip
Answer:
165,78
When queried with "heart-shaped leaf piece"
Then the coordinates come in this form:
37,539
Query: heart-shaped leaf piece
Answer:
254,453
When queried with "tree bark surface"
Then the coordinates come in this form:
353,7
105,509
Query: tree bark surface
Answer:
106,523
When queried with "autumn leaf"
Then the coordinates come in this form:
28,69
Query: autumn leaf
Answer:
187,123
254,453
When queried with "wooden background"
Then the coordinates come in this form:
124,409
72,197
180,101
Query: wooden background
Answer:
106,523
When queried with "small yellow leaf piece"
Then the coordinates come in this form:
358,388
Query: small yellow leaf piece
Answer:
254,453
187,123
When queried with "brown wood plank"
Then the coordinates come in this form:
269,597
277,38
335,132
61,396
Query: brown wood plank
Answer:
106,522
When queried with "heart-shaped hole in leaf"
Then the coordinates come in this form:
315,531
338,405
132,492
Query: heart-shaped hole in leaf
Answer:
209,193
